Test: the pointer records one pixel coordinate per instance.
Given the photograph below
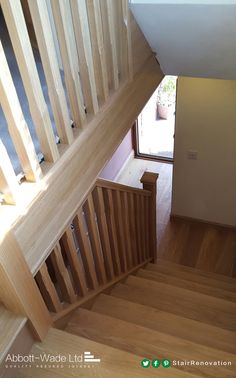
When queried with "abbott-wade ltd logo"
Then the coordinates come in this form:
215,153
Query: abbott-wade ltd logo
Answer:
47,360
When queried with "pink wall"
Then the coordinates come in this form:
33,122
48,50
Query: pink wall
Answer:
113,167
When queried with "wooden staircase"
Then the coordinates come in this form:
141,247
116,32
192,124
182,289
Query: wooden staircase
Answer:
164,311
98,285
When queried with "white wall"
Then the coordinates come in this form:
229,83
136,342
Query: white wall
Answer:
212,2
205,122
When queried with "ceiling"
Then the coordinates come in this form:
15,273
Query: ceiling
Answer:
190,38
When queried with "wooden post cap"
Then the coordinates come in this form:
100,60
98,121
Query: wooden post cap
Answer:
149,177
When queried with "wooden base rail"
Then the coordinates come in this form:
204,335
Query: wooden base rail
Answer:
109,236
67,308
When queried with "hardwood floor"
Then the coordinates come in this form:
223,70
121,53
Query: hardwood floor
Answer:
203,246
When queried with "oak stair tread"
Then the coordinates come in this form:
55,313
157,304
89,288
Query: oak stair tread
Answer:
148,343
193,274
187,284
166,322
10,326
114,363
179,301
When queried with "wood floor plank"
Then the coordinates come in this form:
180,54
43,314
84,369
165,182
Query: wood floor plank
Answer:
194,237
226,261
210,250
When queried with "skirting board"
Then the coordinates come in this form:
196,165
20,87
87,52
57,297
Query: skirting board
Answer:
175,216
127,161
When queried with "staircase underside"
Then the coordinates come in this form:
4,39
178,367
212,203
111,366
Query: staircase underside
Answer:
195,39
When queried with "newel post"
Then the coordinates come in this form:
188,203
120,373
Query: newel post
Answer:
149,181
18,290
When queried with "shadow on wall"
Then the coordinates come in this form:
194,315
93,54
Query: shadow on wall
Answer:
113,167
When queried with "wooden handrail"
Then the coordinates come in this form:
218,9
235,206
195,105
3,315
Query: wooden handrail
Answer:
123,188
109,235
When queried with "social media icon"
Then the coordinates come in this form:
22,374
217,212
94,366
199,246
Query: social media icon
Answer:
145,363
155,363
165,363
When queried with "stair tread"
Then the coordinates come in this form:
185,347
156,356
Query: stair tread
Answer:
186,303
187,284
167,322
114,363
10,326
145,342
210,278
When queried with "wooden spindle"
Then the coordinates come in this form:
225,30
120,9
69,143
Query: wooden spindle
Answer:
138,227
99,56
62,275
113,42
75,265
103,231
64,25
9,186
94,239
108,199
147,226
83,41
17,29
149,181
107,45
143,226
127,46
18,129
118,211
127,233
48,289
85,249
43,31
133,230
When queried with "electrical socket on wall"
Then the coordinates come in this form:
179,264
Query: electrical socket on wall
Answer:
192,154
